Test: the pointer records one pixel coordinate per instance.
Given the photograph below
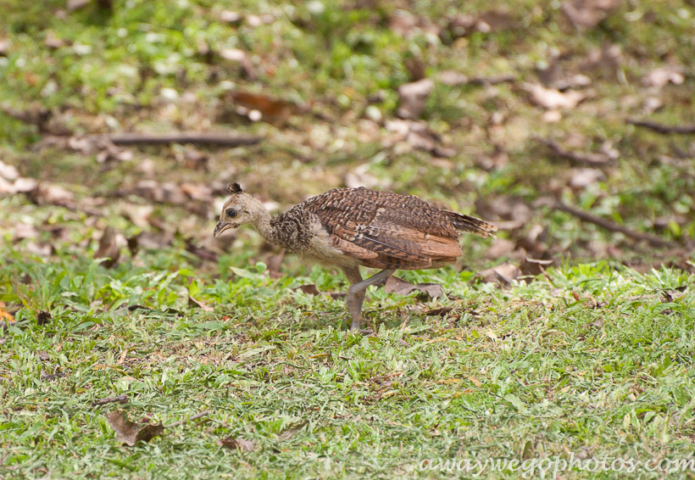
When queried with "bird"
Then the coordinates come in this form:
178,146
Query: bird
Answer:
352,227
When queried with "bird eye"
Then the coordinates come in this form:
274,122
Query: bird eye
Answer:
231,213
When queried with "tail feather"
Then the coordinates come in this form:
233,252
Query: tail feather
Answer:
470,224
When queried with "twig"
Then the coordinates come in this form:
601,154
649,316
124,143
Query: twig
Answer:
661,128
591,159
505,78
107,400
204,138
194,417
614,227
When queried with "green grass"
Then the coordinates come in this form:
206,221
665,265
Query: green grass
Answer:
595,360
592,361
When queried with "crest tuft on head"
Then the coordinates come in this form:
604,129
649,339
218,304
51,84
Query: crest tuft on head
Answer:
234,188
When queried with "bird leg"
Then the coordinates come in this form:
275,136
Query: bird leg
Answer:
358,290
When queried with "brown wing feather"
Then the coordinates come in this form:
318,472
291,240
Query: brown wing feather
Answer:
387,230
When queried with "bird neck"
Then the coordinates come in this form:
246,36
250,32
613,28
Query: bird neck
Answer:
263,226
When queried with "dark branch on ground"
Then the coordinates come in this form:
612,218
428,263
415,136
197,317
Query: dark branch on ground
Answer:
202,138
107,400
653,240
591,159
663,129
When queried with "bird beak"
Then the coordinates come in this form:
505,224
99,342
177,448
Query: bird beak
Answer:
221,227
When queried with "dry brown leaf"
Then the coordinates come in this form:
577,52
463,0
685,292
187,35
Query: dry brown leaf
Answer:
310,289
290,432
237,444
401,287
108,247
53,42
506,207
501,274
552,99
588,13
660,77
262,107
501,247
50,194
412,98
581,178
8,172
192,302
609,57
441,312
534,266
130,433
242,58
407,25
227,16
6,317
74,5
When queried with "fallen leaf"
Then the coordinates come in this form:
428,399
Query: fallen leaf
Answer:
487,22
108,247
227,16
581,178
588,13
74,5
501,274
534,266
8,172
513,209
441,312
271,110
130,433
609,57
50,194
552,99
53,42
501,247
237,444
404,24
290,432
242,58
308,289
597,324
401,287
413,98
660,77
192,302
6,317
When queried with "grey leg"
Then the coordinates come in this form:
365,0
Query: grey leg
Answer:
358,290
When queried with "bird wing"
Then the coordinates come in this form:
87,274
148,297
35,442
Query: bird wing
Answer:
399,231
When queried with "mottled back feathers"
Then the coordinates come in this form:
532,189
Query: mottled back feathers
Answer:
383,229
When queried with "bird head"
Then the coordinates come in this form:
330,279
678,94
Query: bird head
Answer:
241,208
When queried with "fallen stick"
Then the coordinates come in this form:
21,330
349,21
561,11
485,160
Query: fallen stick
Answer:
107,400
661,128
614,227
185,420
203,138
591,159
492,80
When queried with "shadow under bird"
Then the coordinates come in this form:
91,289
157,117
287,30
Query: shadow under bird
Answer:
353,227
